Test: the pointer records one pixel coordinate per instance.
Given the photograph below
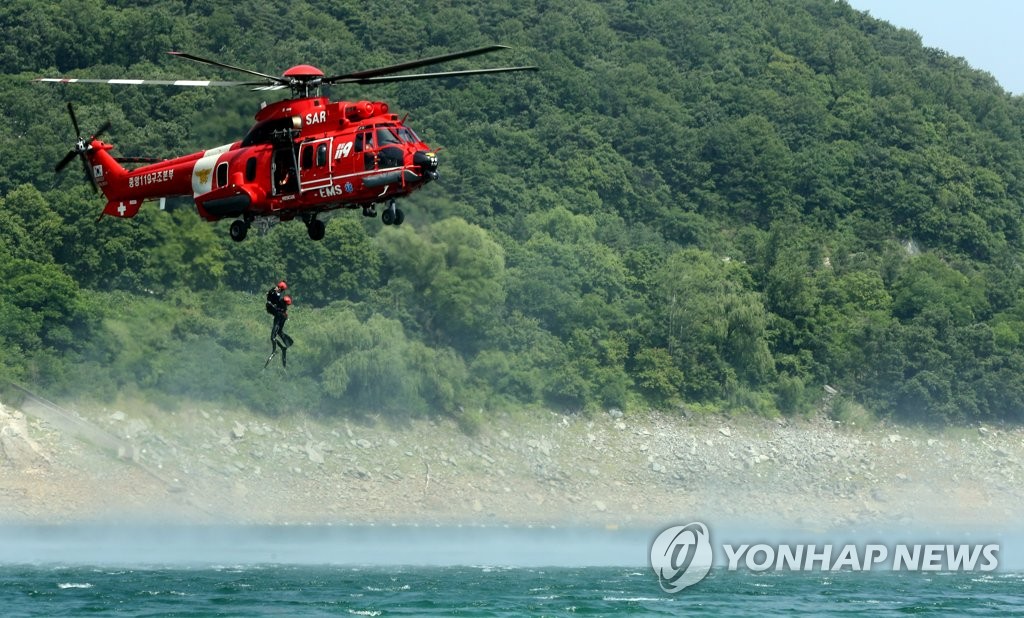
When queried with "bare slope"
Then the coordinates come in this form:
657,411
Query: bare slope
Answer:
212,466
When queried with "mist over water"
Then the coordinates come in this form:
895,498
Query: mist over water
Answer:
429,545
142,544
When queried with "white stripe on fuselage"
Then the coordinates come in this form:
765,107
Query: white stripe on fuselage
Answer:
202,172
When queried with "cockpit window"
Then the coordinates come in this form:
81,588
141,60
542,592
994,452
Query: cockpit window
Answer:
408,136
385,136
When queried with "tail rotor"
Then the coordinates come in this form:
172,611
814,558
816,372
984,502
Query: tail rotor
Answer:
81,147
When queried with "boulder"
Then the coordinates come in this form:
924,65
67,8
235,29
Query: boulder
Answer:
16,447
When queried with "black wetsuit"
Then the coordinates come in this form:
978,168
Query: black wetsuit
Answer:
279,309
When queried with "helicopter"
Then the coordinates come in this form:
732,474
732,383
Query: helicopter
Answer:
304,156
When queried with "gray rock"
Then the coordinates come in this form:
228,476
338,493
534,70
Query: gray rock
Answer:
15,444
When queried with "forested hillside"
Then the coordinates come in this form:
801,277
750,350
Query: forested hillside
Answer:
718,205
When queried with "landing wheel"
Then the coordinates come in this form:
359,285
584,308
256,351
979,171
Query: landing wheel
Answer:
316,228
369,212
239,229
391,215
399,216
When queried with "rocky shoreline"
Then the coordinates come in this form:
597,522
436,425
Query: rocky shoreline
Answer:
610,470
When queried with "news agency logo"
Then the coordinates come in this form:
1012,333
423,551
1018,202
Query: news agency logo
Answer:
681,556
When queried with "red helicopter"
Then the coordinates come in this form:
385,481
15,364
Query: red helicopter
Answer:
304,156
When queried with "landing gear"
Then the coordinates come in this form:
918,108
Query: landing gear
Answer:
315,228
239,229
369,211
392,215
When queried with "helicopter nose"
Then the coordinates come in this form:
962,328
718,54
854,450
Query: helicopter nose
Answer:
427,162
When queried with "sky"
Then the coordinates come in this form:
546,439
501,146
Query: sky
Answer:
987,33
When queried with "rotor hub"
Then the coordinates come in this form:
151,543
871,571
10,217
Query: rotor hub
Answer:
303,72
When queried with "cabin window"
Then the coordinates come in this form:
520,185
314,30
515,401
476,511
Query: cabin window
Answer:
250,169
307,157
321,155
222,175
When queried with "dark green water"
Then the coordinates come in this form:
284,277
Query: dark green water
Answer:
290,590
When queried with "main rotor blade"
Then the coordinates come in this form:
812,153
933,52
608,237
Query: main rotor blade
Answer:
405,78
147,82
272,78
413,64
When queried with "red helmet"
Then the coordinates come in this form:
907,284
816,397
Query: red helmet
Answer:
287,300
282,285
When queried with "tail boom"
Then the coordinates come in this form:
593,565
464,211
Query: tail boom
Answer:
125,189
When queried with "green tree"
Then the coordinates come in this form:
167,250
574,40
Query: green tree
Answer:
456,276
714,328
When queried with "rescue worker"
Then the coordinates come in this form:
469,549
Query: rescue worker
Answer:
277,305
